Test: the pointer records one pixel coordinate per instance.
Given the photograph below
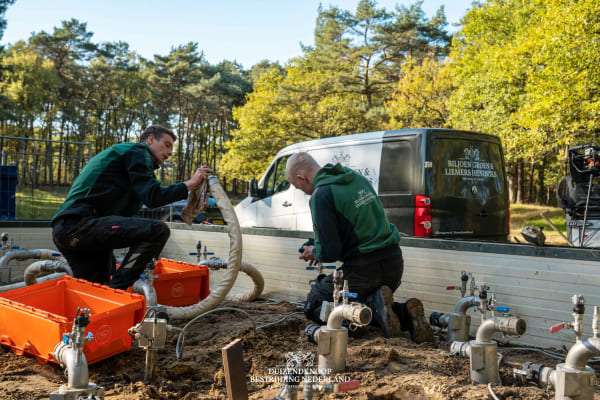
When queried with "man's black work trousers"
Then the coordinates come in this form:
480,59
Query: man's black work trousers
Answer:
364,275
88,244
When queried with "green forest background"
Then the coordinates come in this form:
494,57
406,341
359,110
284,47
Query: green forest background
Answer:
524,70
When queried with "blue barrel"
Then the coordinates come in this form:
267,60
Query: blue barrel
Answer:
8,192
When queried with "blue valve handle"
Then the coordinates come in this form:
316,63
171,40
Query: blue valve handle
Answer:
502,309
65,338
331,266
350,295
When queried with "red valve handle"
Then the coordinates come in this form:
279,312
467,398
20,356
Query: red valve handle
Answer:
451,287
348,386
558,327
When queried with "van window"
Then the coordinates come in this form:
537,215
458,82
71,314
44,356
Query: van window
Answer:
467,168
397,171
276,180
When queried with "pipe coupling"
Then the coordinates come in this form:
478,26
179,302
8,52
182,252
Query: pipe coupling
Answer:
462,349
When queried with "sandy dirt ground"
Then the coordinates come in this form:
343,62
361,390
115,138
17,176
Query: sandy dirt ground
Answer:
387,368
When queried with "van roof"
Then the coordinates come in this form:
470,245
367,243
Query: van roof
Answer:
368,136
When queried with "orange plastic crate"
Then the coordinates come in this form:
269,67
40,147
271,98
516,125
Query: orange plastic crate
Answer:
180,284
34,318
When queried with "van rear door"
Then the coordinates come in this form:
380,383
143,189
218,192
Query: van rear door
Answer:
467,185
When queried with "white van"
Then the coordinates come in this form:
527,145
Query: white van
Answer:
432,182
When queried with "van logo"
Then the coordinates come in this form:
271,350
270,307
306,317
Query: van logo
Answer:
341,157
345,159
471,153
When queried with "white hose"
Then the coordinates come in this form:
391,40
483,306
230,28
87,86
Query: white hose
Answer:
257,279
233,262
489,386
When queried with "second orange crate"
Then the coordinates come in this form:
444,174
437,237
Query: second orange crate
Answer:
180,284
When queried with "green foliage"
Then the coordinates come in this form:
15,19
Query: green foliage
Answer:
336,87
421,95
61,85
527,71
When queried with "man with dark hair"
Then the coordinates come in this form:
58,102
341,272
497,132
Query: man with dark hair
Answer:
97,215
350,225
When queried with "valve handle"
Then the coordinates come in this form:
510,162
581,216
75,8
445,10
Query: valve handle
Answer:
502,309
558,327
65,338
56,254
331,266
350,295
193,254
348,386
311,268
451,287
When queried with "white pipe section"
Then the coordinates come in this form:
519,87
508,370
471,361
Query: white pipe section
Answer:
45,267
508,325
357,313
18,285
233,262
580,353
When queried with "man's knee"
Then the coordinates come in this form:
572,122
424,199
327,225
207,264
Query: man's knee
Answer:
160,232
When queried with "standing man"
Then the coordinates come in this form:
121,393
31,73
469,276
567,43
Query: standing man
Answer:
97,215
350,226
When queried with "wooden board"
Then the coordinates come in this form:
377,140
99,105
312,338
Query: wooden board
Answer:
233,367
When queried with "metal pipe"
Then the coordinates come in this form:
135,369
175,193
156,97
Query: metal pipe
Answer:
40,254
581,352
35,254
146,288
465,303
508,325
18,285
234,260
355,313
45,267
75,363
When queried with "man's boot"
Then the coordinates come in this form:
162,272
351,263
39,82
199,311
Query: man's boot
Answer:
420,330
381,302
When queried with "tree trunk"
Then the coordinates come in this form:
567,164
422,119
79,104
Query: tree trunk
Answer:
513,179
521,182
531,188
541,186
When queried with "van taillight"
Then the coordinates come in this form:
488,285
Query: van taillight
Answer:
422,222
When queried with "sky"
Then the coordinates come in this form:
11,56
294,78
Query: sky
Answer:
247,31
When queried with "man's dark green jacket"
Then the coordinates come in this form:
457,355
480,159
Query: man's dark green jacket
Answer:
348,217
117,181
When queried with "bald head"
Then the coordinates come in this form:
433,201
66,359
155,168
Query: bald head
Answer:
301,168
